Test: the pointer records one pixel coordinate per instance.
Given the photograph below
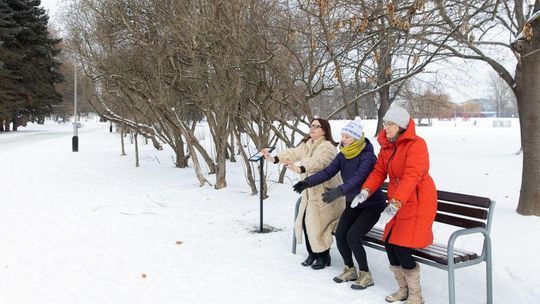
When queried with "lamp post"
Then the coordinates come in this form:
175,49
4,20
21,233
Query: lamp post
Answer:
75,139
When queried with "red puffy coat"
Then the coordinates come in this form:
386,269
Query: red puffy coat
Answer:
406,162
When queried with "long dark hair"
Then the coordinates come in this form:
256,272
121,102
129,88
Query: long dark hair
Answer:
325,126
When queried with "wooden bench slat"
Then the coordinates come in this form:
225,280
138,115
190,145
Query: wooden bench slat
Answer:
458,221
467,199
467,255
433,256
462,210
435,252
439,258
441,250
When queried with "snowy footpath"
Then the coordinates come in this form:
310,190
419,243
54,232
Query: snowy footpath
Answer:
89,227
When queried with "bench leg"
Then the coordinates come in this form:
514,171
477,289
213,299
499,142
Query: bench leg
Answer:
293,242
489,282
295,216
489,274
451,284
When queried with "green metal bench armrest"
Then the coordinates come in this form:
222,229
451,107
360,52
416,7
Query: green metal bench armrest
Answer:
451,241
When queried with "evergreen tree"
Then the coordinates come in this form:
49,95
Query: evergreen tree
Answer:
10,91
30,69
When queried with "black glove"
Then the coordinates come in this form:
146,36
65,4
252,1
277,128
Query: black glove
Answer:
300,186
331,194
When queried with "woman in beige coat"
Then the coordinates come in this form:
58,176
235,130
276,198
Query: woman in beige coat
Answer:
316,218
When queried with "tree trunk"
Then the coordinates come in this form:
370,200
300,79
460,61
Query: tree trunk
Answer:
528,99
136,150
221,173
15,123
384,75
156,143
282,175
384,98
209,161
122,141
190,141
181,161
196,164
231,149
249,173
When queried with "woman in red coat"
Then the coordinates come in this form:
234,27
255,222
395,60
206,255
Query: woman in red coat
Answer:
404,159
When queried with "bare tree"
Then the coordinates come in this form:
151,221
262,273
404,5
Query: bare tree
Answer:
425,103
252,70
379,43
511,28
162,66
502,96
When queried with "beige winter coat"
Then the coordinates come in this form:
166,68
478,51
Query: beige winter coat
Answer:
321,218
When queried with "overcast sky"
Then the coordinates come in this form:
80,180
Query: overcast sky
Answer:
51,6
462,80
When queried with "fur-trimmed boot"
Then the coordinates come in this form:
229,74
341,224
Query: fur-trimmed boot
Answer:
412,277
403,291
349,274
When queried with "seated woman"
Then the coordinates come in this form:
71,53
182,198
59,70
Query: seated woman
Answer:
412,198
355,162
317,219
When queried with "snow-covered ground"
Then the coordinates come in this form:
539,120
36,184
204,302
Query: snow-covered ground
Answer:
89,227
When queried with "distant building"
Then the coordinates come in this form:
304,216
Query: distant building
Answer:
483,107
480,107
488,114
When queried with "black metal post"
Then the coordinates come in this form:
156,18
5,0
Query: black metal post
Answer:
261,164
75,143
75,138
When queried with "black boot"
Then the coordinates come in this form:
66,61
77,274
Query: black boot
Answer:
310,259
323,260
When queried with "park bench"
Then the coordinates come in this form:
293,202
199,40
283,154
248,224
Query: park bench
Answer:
470,215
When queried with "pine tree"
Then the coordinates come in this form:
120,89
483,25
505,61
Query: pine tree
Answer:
11,93
30,69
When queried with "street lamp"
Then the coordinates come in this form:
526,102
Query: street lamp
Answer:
75,139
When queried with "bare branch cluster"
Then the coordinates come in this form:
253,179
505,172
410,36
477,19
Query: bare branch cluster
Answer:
252,71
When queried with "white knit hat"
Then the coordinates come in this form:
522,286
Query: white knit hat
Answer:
397,115
355,128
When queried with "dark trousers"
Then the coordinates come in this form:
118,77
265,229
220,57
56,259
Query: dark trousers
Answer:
353,225
308,246
398,255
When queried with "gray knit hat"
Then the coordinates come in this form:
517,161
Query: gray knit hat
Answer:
397,115
354,128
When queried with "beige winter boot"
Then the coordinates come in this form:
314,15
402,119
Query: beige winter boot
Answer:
403,292
412,277
364,280
349,274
